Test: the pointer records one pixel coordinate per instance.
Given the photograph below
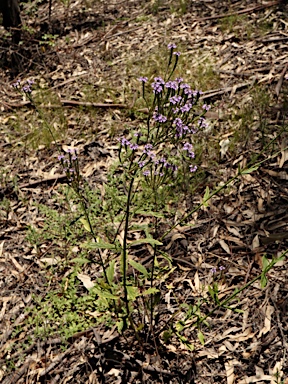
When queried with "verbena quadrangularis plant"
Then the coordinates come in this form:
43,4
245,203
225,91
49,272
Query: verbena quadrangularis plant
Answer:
152,160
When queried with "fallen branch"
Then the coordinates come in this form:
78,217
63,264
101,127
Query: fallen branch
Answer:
68,103
241,12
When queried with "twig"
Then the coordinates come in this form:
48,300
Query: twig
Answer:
65,102
280,81
241,12
220,91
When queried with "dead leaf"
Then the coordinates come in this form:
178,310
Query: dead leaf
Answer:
267,322
86,280
225,246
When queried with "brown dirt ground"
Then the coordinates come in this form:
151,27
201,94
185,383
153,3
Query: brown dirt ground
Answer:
96,41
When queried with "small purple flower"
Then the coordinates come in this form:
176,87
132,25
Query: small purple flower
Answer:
178,122
143,79
157,87
61,157
175,110
146,172
30,82
221,268
206,107
179,80
175,99
213,270
160,118
137,134
124,141
191,154
16,84
74,157
186,129
151,155
141,164
186,107
71,170
177,53
133,146
172,85
187,147
159,79
202,123
185,86
27,89
188,91
147,147
192,168
172,46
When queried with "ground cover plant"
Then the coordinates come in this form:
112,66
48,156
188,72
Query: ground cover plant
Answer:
154,241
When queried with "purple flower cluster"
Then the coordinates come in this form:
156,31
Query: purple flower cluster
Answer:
175,99
206,107
126,143
158,85
214,269
143,79
189,148
70,166
181,128
26,88
202,123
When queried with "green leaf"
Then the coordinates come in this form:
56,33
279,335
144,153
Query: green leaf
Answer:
249,170
110,271
85,224
263,281
206,197
150,291
80,260
139,267
133,292
265,263
120,325
201,338
211,292
98,245
147,240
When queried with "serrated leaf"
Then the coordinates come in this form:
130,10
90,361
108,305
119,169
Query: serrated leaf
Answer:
120,325
201,338
133,292
150,291
139,267
80,260
86,225
110,271
98,245
147,240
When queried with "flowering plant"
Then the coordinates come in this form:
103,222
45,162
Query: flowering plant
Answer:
164,148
